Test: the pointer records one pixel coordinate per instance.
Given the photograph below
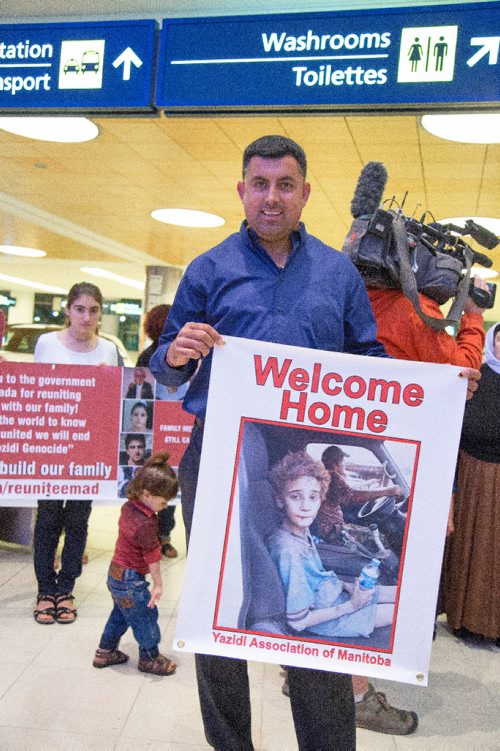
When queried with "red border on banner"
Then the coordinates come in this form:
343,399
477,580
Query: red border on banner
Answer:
319,640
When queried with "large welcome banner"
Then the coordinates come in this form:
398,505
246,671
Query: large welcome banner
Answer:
396,423
71,432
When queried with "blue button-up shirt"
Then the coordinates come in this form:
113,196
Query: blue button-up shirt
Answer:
318,301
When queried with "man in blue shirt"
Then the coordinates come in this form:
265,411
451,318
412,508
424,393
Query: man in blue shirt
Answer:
271,281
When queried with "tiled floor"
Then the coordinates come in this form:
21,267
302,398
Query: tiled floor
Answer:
52,698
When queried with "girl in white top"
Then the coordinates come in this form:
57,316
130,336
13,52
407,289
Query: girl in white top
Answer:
52,348
77,344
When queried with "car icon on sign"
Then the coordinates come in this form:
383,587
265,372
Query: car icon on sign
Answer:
72,66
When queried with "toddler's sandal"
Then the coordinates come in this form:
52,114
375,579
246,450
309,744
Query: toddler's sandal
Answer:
104,658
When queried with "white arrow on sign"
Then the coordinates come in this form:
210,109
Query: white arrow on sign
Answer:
488,46
126,58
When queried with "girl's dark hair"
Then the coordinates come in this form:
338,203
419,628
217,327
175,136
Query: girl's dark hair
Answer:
83,288
155,321
298,464
155,476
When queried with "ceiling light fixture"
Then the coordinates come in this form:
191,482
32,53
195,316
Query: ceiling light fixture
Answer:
114,277
58,129
473,128
33,285
19,250
187,218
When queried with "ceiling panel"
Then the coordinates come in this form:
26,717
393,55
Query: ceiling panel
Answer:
91,202
109,186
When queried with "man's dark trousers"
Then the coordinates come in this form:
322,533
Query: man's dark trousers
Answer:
322,702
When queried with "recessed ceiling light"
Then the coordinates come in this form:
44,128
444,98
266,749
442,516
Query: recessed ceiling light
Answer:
474,128
59,129
105,274
18,250
187,217
33,285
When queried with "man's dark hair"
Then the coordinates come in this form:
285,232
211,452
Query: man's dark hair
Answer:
275,147
135,437
332,455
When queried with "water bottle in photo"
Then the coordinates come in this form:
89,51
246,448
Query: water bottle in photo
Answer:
369,574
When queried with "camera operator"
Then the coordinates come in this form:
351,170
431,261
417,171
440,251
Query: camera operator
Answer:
384,245
406,337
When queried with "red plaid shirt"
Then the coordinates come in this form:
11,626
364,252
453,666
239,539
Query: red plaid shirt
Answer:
138,544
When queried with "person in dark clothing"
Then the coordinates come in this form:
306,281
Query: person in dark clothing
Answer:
253,285
154,323
272,281
153,326
471,581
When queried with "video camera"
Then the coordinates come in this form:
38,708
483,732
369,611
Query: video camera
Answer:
395,251
447,238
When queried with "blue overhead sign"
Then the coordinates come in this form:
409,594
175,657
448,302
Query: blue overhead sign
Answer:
392,58
86,66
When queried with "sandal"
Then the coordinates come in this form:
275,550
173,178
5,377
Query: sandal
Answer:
65,614
48,614
104,658
160,665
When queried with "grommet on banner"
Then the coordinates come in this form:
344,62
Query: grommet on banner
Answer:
181,644
420,676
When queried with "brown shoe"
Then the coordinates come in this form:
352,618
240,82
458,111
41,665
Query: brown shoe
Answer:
375,713
168,550
104,658
159,666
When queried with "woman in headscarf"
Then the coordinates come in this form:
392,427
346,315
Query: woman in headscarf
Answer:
472,570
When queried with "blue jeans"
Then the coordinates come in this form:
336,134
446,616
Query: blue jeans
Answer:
52,519
131,596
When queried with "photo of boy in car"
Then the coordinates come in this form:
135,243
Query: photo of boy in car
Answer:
316,599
